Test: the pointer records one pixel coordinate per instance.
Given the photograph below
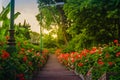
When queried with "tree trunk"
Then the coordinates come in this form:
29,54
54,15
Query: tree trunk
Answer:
63,26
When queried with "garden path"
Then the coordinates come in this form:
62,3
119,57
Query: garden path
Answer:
53,70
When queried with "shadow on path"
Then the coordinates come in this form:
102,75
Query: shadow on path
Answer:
53,70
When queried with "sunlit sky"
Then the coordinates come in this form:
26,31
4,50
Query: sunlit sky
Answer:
28,10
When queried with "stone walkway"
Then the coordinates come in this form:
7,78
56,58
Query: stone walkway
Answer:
55,71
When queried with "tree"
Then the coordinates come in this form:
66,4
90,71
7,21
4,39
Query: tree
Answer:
35,37
49,41
23,31
99,19
51,16
88,22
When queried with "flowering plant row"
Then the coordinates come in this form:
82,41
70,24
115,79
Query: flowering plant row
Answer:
93,62
21,64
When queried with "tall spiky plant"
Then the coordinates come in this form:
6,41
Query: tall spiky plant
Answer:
5,21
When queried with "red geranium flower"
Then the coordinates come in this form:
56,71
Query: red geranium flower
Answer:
115,41
7,37
110,63
80,56
94,49
22,49
100,62
5,54
73,60
117,54
80,64
25,58
20,76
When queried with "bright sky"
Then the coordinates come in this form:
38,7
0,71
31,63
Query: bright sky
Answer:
28,10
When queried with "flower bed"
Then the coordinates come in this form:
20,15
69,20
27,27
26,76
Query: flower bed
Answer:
21,64
93,63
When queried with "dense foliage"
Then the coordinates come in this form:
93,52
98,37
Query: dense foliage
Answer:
51,15
75,26
88,22
21,63
4,19
93,22
94,62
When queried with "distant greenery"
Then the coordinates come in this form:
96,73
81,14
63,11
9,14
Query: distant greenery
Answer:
86,22
22,31
93,22
52,15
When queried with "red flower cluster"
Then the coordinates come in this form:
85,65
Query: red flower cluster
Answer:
5,54
100,62
94,49
84,52
115,41
63,56
22,49
45,51
73,60
7,37
117,54
80,64
25,58
58,51
110,63
20,76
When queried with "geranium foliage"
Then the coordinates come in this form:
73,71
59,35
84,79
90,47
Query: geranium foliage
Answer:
95,61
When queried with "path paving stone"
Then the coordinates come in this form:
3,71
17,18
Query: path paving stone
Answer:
53,70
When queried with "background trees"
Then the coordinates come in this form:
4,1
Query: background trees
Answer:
53,15
86,23
97,20
22,31
78,24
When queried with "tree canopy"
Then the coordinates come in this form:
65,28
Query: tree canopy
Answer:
86,22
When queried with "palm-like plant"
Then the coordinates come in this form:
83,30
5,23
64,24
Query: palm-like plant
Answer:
5,21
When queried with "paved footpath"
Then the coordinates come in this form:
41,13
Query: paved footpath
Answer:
53,70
